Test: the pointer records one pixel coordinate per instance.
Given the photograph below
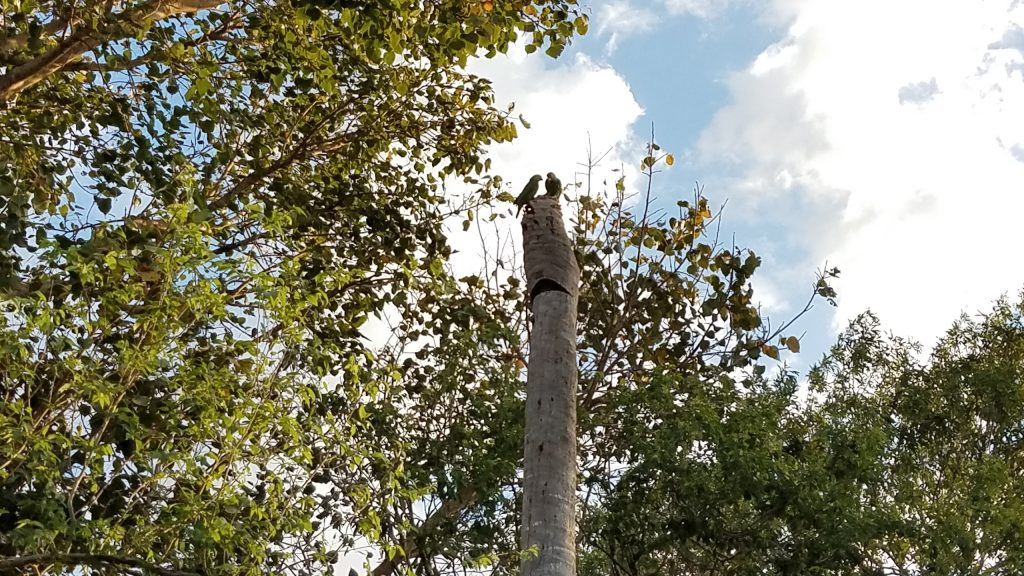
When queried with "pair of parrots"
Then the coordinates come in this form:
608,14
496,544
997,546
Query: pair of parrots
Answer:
552,184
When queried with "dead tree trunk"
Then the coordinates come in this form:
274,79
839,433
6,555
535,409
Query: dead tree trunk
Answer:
549,466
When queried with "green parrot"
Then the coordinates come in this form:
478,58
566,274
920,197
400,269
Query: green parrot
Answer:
553,185
528,193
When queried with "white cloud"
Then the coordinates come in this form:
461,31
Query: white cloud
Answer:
618,19
699,8
888,138
570,104
566,102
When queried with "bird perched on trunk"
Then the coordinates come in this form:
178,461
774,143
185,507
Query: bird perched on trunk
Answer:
528,193
553,185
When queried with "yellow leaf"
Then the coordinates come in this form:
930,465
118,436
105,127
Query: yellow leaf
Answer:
488,6
582,24
770,351
793,344
670,160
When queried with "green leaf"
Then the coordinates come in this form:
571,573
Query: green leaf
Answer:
555,50
581,24
436,268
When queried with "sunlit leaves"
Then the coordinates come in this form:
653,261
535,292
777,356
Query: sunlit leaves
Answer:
204,217
903,418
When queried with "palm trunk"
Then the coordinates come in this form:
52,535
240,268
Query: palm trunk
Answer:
549,466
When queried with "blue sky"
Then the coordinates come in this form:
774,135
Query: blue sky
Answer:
677,70
885,138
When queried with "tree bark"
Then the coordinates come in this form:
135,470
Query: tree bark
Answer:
549,465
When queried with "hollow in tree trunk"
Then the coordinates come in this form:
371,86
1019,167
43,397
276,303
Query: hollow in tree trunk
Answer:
549,467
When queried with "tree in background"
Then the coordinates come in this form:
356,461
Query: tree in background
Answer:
681,428
894,466
943,439
203,204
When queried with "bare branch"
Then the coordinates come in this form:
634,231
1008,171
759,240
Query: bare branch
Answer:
449,509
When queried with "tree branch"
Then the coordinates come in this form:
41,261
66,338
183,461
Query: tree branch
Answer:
17,42
305,148
78,558
85,39
220,34
447,510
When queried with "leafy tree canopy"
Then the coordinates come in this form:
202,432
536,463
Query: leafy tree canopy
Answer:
207,205
895,465
203,203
